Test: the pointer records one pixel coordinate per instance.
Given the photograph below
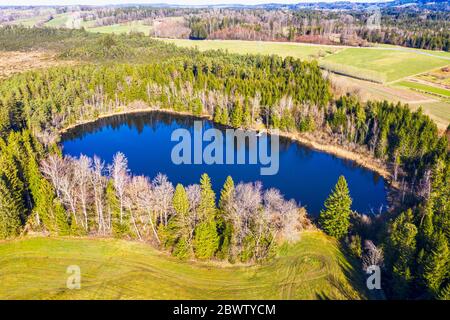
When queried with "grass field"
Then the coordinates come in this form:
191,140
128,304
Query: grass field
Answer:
425,88
439,112
35,268
283,49
30,22
384,66
394,64
135,26
387,63
58,21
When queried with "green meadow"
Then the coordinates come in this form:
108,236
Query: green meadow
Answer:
425,88
35,268
394,64
135,26
58,21
283,49
380,64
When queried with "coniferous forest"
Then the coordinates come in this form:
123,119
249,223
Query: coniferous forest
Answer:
42,191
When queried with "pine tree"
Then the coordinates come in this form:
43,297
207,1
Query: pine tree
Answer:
437,263
444,294
180,201
400,251
226,193
237,114
224,228
182,248
179,224
217,114
11,173
335,219
113,210
246,117
225,118
207,205
10,211
206,240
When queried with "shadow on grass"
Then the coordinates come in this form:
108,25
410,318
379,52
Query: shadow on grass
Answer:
355,281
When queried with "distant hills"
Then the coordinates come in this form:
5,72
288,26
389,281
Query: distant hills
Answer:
442,5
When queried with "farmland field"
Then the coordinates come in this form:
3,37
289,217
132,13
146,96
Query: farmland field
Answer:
35,268
58,21
439,111
381,64
283,49
394,64
425,88
135,26
390,62
30,22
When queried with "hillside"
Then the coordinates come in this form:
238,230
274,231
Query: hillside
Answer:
35,268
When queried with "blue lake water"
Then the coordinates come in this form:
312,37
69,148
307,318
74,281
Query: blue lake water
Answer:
304,174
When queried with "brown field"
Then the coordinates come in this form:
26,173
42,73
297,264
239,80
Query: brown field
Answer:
439,77
437,109
12,62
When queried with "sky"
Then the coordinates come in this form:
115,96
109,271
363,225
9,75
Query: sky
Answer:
185,2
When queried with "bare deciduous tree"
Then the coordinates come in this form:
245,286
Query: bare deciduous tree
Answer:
372,256
120,176
82,175
163,191
99,184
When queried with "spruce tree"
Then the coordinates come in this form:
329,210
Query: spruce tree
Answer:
207,205
178,224
206,240
180,202
226,193
10,211
225,118
246,117
11,173
224,228
437,263
217,114
400,251
335,219
237,115
444,294
113,210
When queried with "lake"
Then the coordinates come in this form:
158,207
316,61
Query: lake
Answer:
304,174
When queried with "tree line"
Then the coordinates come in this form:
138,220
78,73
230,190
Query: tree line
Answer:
40,189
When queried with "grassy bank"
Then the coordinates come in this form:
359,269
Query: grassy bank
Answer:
35,268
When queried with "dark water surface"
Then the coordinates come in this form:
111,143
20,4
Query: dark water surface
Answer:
304,174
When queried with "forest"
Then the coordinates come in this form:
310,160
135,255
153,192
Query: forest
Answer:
346,25
45,192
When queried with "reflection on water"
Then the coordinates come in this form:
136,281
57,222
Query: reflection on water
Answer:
305,175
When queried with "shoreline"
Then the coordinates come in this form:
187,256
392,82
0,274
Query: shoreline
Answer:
307,140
